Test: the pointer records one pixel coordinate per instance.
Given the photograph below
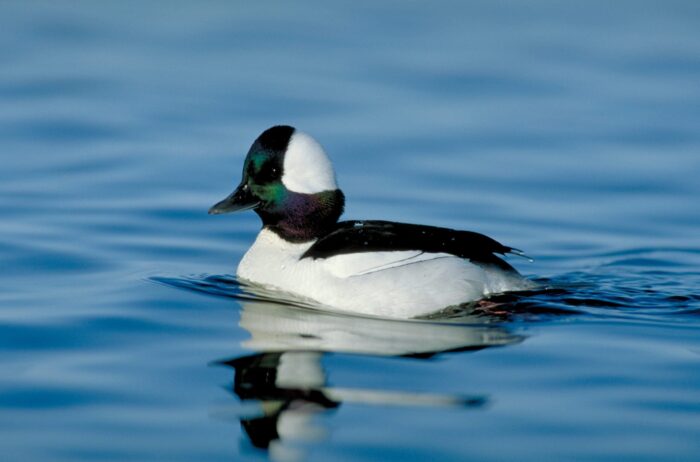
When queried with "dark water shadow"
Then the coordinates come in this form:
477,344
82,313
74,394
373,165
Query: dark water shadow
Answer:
286,381
282,391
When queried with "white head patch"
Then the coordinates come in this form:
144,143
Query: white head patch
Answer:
307,168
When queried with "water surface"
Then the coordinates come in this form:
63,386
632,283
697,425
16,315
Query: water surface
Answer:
567,130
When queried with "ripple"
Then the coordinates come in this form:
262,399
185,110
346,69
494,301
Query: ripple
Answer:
574,294
47,87
62,130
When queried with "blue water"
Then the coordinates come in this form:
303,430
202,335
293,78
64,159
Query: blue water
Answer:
569,130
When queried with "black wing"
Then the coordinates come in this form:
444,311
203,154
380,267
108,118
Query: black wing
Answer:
376,236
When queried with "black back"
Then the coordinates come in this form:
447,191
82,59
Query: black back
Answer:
376,236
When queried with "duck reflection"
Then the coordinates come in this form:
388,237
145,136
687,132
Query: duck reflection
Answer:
286,382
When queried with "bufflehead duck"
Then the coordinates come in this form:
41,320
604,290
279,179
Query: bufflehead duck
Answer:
371,267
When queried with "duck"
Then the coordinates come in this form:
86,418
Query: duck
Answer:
366,267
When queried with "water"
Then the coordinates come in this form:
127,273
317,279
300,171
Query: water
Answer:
567,130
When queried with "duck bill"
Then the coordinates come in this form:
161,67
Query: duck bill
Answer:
239,200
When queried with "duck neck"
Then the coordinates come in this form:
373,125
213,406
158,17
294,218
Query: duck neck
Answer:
304,217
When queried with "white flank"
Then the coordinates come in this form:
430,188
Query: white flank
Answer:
392,284
307,168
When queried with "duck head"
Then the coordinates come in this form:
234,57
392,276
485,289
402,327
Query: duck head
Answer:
288,180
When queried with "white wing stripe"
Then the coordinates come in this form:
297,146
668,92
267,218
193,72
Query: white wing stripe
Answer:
358,264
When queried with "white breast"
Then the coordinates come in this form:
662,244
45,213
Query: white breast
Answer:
399,284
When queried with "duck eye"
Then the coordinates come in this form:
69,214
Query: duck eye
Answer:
268,172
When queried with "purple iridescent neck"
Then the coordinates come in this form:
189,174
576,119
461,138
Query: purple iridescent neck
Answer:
301,217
